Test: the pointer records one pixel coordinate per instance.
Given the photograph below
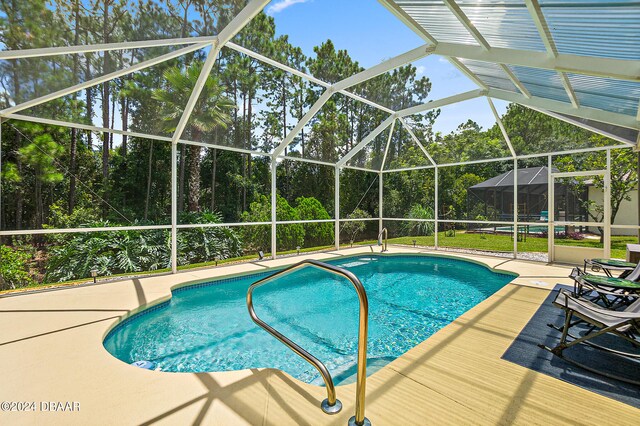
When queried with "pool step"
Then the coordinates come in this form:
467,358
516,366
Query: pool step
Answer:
347,373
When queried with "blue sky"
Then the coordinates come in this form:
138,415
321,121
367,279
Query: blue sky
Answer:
371,34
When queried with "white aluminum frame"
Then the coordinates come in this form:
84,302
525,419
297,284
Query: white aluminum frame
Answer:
552,60
606,220
543,30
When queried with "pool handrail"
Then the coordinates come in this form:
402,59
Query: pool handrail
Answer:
331,405
386,237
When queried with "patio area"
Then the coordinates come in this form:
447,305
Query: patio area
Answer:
456,376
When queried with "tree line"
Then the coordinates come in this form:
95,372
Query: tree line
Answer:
57,177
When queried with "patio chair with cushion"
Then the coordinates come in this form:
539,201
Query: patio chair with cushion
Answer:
611,291
624,269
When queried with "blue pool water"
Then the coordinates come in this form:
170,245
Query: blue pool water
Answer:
207,327
533,229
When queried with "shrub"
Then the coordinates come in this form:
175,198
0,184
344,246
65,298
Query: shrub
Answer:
418,211
354,229
196,245
569,236
259,237
117,252
316,234
81,216
14,268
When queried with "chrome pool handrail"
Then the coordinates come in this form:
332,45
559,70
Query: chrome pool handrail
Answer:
386,237
331,405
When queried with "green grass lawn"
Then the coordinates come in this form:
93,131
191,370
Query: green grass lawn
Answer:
499,242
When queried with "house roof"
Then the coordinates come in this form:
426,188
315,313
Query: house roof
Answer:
526,177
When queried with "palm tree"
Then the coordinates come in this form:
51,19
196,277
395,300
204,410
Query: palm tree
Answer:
210,112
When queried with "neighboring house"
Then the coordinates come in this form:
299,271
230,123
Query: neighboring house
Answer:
493,200
627,213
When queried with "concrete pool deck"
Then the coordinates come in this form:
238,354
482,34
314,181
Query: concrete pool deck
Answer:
51,351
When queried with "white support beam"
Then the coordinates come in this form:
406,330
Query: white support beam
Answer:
102,79
607,208
386,149
103,47
362,169
392,7
435,208
174,208
466,71
550,210
49,231
416,140
388,65
472,94
426,36
306,160
277,64
550,45
541,24
371,136
237,23
515,80
588,65
380,207
505,159
274,214
195,93
140,135
515,207
301,74
637,148
303,122
565,108
223,147
241,20
569,89
460,163
573,151
336,207
340,86
486,160
408,169
87,127
583,125
466,22
502,128
367,101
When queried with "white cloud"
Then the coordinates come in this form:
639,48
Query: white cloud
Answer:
420,69
282,5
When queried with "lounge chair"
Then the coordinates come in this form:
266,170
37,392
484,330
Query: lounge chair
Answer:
608,290
625,269
624,324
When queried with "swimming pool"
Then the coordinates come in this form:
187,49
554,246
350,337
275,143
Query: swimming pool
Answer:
531,229
206,327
